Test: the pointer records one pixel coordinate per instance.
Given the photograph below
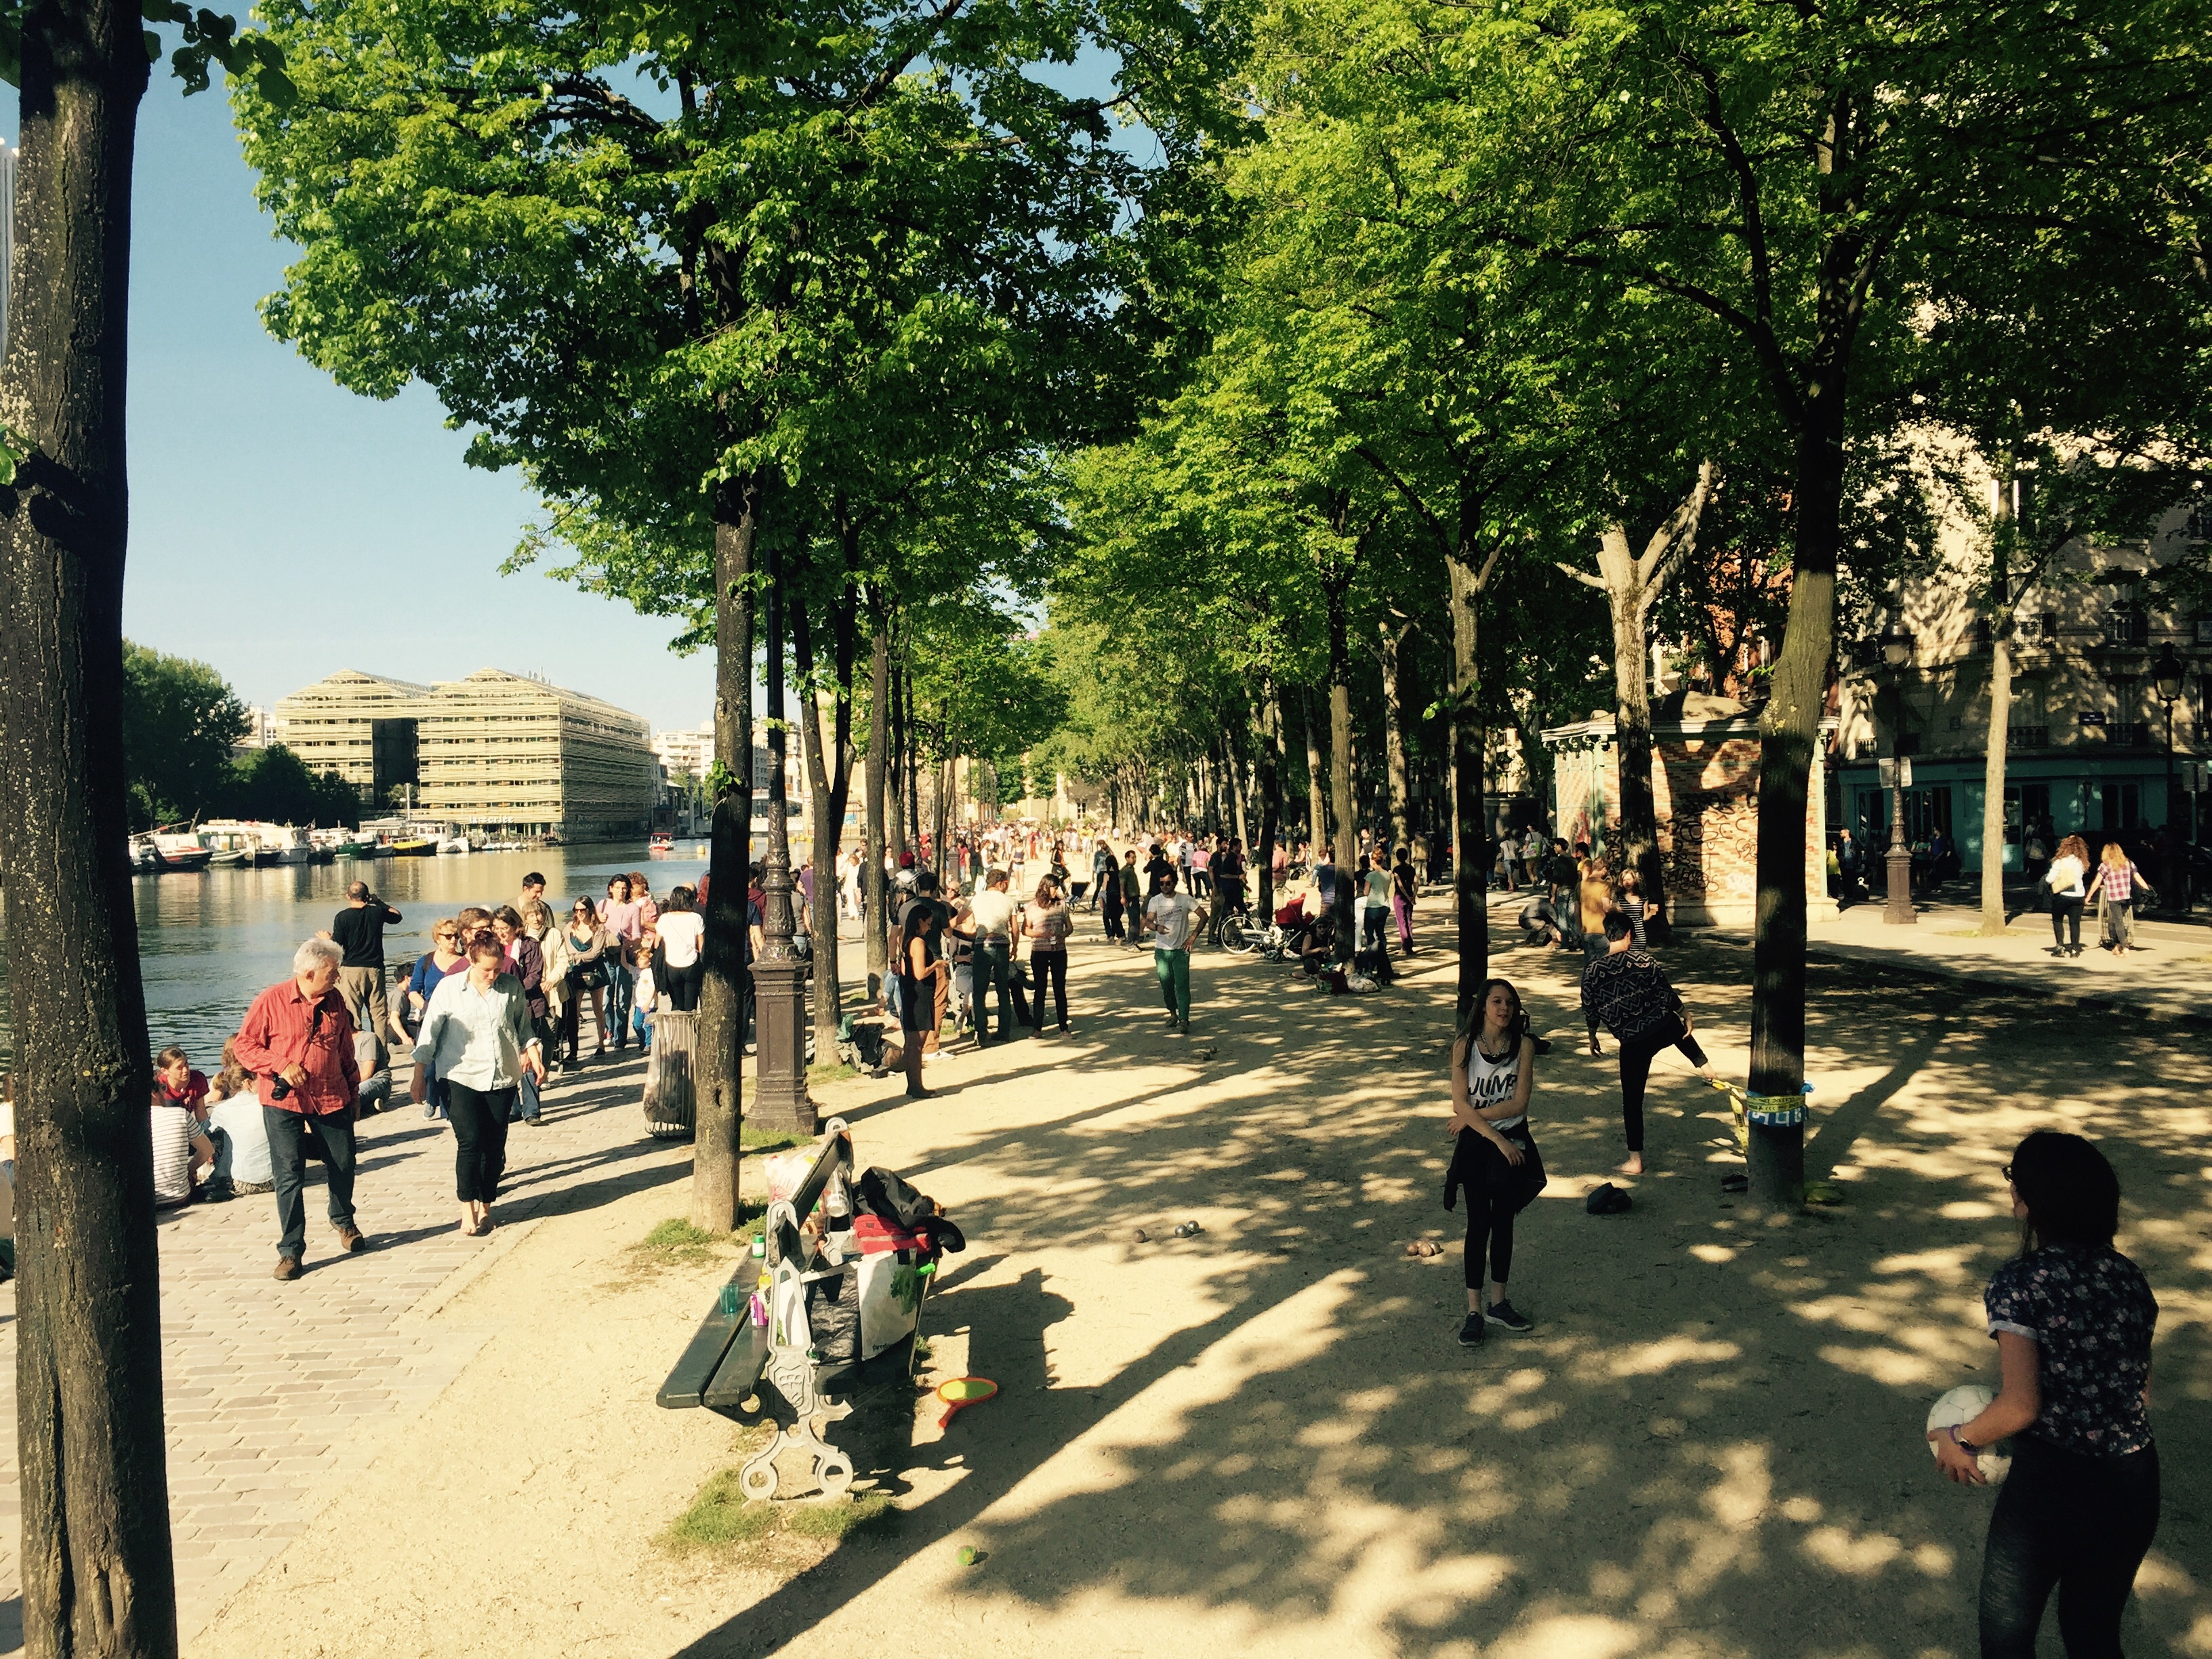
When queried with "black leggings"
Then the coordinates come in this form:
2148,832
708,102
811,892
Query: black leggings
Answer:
2065,913
681,984
1489,1216
1637,1054
479,1118
2076,1524
1048,968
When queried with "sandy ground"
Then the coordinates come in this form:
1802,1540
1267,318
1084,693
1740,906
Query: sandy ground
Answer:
1265,1439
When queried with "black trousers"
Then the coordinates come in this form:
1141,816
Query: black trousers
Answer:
1637,1054
1048,968
287,1170
1489,1217
479,1118
1111,907
2065,913
2078,1524
681,985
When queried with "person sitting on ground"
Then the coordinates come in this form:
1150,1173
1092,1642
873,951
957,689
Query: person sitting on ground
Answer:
182,1146
239,1129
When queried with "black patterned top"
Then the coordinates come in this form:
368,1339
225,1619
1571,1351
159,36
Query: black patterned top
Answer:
1628,992
2089,1312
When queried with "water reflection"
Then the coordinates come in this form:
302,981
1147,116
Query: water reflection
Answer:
209,942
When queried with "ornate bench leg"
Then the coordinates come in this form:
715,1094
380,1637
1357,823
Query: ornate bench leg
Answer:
757,1479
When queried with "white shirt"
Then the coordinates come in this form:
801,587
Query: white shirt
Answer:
680,931
1174,912
476,1038
993,911
240,1117
2064,877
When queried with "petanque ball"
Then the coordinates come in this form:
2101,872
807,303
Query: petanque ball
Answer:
1961,1406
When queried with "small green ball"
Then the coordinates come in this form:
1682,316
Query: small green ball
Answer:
967,1555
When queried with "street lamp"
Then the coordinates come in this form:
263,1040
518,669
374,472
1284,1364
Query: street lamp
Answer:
1896,652
2166,677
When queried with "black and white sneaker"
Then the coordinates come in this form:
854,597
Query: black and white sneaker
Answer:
1470,1334
1501,1313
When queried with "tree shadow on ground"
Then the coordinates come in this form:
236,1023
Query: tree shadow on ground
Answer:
1712,1441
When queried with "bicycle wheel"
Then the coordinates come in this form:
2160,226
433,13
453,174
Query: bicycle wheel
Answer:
1237,937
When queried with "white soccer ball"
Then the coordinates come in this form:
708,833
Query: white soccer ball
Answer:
1961,1406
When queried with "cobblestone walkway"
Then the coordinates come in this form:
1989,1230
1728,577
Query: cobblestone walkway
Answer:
276,1391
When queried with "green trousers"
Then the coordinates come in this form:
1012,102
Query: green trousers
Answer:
1173,969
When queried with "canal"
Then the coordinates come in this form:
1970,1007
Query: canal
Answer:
209,942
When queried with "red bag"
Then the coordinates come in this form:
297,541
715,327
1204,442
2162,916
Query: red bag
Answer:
877,1237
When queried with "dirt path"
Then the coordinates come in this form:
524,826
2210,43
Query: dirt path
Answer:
1265,1439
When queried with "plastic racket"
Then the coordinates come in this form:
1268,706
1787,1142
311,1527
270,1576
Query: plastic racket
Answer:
959,1392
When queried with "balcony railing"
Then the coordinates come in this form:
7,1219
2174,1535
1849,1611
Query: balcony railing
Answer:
2027,736
2128,734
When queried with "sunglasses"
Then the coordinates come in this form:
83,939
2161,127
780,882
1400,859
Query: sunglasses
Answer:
2006,1172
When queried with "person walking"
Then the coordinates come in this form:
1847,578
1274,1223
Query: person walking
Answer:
2072,1319
920,927
1046,924
622,916
1628,993
2067,882
1403,888
1103,868
445,958
2116,881
527,962
358,931
1494,1161
587,944
1532,855
992,913
1228,874
1110,906
297,1039
1132,914
1593,903
1170,919
481,1038
1376,888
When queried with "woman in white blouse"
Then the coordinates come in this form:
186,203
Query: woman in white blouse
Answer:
477,1034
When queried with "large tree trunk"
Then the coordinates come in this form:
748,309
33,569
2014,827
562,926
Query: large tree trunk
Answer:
97,1573
1347,835
895,760
1270,797
1233,764
1993,754
1470,842
827,787
1394,636
873,794
1788,731
716,1150
1316,814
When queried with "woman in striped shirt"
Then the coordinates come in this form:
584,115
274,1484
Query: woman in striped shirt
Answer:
2118,879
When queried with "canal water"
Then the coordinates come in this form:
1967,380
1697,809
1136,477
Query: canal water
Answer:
209,942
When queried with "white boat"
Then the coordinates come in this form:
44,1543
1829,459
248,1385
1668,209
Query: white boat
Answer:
233,848
289,843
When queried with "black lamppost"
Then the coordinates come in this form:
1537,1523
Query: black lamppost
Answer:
779,973
2166,677
1896,652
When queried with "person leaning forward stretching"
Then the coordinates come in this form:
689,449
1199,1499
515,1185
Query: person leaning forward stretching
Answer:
1627,992
298,1038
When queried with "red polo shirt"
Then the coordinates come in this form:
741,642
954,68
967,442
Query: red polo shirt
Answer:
275,1035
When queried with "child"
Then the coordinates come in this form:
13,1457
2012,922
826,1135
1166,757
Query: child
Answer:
1630,902
182,1146
646,999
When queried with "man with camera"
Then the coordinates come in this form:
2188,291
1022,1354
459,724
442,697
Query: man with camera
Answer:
358,932
297,1040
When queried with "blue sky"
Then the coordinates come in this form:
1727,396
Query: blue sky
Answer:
281,528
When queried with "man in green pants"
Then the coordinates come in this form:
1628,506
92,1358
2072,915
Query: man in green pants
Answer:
1169,918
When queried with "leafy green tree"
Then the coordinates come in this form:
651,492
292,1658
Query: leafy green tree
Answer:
179,719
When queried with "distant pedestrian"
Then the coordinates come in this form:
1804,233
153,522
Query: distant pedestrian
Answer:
1110,908
993,912
1403,890
623,917
2072,1321
1227,873
1132,913
480,1037
1593,903
1046,924
1102,876
1532,856
1628,992
1851,867
1374,912
919,953
533,892
2066,881
358,931
2116,881
445,958
298,1037
1169,918
525,961
678,966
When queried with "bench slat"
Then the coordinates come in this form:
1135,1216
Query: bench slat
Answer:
689,1379
740,1371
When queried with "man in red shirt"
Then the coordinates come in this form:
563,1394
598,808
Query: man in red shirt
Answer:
298,1037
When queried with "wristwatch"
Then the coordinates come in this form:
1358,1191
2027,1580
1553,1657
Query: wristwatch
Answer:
1962,1443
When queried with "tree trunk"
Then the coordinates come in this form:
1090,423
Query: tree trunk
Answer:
826,788
874,791
895,763
1233,764
1316,816
1788,731
1270,797
910,792
1345,836
1470,870
1631,726
1993,760
715,1149
1393,732
97,1572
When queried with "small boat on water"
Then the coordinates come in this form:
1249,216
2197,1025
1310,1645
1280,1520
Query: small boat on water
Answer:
170,853
661,845
228,849
411,846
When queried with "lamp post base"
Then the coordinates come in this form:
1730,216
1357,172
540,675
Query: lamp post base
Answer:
1899,911
780,1100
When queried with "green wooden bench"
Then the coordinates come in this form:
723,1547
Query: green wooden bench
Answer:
753,1373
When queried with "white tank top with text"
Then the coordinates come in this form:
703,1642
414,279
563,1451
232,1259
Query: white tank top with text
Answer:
1491,1081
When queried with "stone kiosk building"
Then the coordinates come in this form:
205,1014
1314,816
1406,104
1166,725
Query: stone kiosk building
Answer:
494,751
1704,777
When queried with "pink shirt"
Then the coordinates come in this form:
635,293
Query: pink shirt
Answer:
625,920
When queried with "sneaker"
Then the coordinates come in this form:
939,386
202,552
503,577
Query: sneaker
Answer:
1182,1028
1503,1313
350,1241
288,1267
1171,1018
1470,1334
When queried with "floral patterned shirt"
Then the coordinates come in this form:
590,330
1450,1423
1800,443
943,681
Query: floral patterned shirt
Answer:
2089,1312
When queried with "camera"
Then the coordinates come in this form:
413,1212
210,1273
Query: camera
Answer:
278,1088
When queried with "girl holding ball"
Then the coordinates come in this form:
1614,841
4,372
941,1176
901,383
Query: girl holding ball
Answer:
2072,1318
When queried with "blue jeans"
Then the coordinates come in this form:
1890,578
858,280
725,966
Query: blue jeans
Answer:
993,970
621,982
644,1029
288,1164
